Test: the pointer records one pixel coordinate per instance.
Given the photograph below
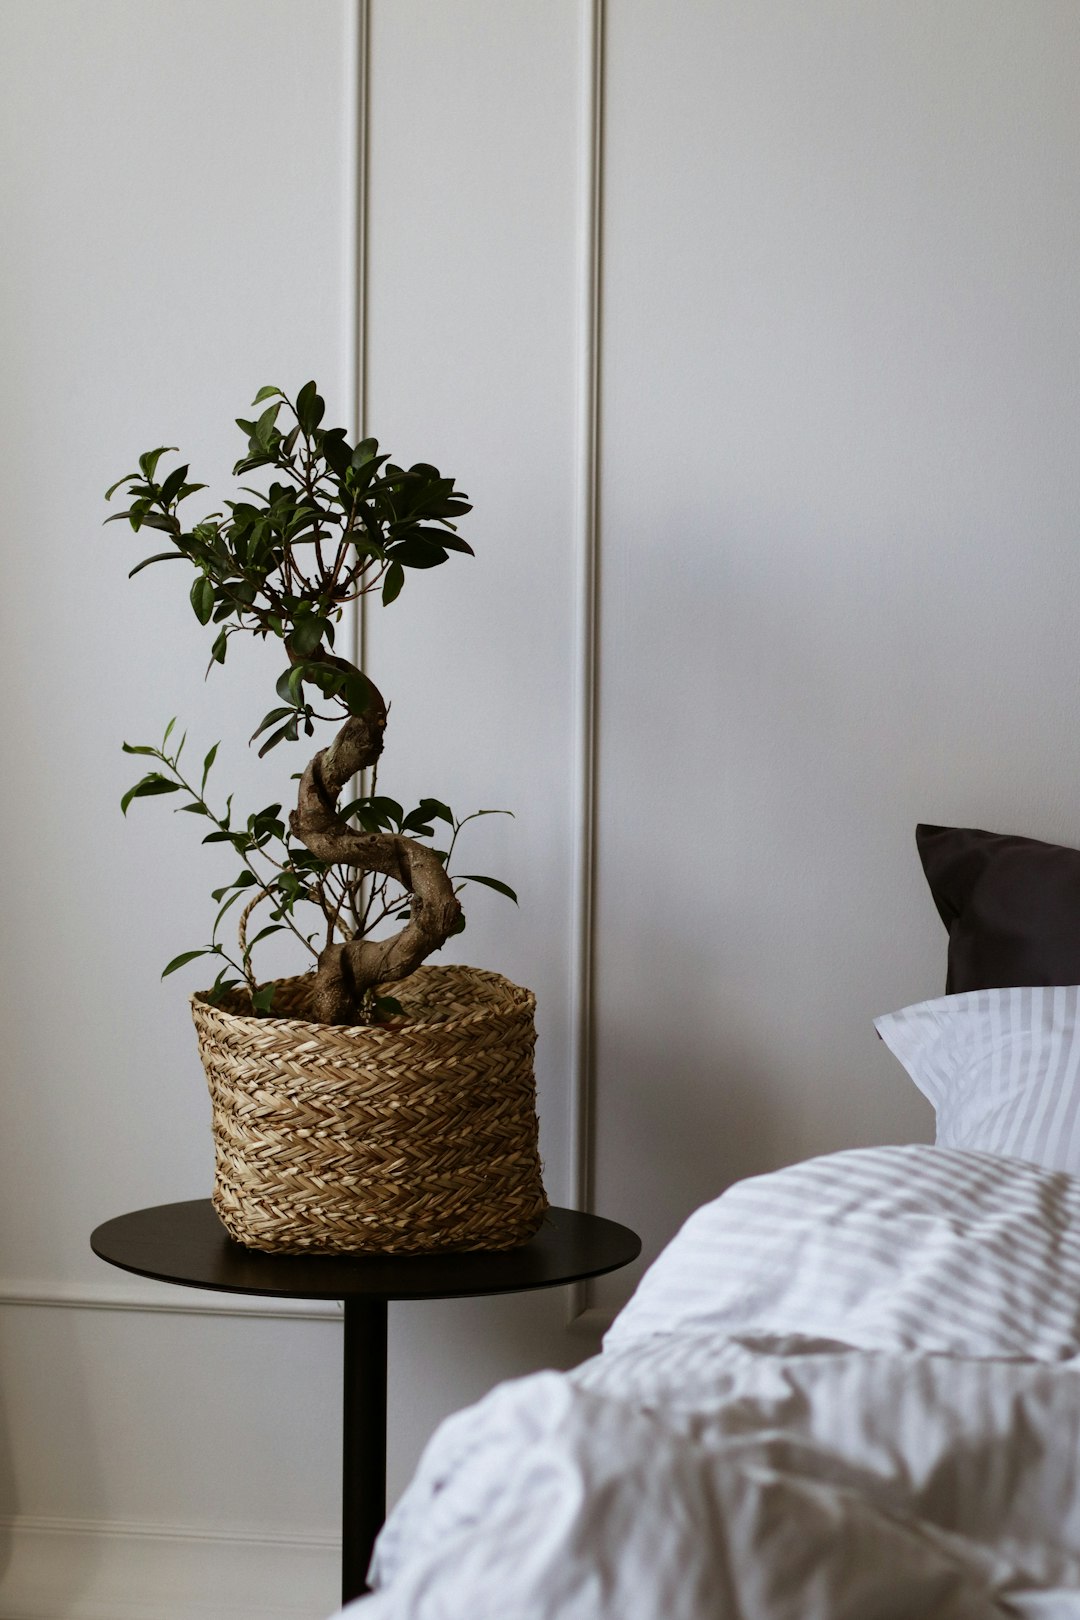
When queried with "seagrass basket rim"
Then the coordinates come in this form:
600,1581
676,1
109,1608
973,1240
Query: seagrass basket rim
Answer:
517,997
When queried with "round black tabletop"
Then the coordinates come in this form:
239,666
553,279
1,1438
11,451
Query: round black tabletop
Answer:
187,1244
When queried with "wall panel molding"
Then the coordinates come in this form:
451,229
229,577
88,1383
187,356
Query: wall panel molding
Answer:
587,554
586,651
355,210
161,1299
354,207
91,1570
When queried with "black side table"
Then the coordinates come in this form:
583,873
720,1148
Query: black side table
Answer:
186,1243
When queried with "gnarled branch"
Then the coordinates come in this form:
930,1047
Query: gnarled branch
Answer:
348,970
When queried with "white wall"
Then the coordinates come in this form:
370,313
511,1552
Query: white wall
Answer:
836,384
840,493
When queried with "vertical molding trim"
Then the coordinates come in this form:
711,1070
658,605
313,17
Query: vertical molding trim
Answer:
586,659
357,102
587,526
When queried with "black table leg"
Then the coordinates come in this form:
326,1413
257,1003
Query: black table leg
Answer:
363,1505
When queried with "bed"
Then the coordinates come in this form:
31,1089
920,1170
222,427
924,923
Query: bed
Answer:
847,1390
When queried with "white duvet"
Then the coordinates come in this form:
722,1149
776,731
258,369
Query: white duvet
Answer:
847,1391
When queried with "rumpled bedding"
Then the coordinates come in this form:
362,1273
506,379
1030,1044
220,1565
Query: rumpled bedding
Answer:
846,1391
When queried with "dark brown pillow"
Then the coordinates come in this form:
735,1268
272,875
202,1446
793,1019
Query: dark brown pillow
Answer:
1011,905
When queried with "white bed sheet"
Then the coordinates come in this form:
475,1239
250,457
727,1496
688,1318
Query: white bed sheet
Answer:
913,1454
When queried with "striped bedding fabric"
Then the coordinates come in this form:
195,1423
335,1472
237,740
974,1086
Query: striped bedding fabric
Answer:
1001,1067
849,1390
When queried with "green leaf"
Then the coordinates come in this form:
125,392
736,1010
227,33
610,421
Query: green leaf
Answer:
309,408
269,720
267,822
336,452
220,987
368,820
287,731
356,692
250,463
172,485
202,599
162,556
388,808
264,933
438,537
266,393
112,489
207,762
195,809
244,881
230,901
140,748
366,548
307,634
395,579
148,788
415,553
386,1007
184,957
490,883
217,651
148,462
263,999
435,807
264,427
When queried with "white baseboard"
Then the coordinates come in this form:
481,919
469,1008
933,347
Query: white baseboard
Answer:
74,1569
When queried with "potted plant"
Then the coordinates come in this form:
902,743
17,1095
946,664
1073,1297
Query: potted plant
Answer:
372,1102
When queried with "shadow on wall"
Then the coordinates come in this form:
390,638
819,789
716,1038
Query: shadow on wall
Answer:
446,1354
689,1124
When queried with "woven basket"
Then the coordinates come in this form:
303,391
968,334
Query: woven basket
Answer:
394,1139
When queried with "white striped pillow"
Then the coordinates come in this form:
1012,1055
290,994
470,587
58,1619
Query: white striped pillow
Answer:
911,1248
1001,1067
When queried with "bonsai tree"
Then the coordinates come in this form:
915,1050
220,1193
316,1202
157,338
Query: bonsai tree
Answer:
337,522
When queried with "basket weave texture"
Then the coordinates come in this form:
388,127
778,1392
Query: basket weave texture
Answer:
403,1138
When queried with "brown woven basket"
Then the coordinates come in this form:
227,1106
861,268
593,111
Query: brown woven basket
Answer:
396,1139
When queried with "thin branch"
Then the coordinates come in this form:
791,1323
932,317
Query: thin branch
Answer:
184,783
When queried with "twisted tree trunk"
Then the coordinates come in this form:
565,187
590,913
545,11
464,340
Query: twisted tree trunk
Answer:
346,971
